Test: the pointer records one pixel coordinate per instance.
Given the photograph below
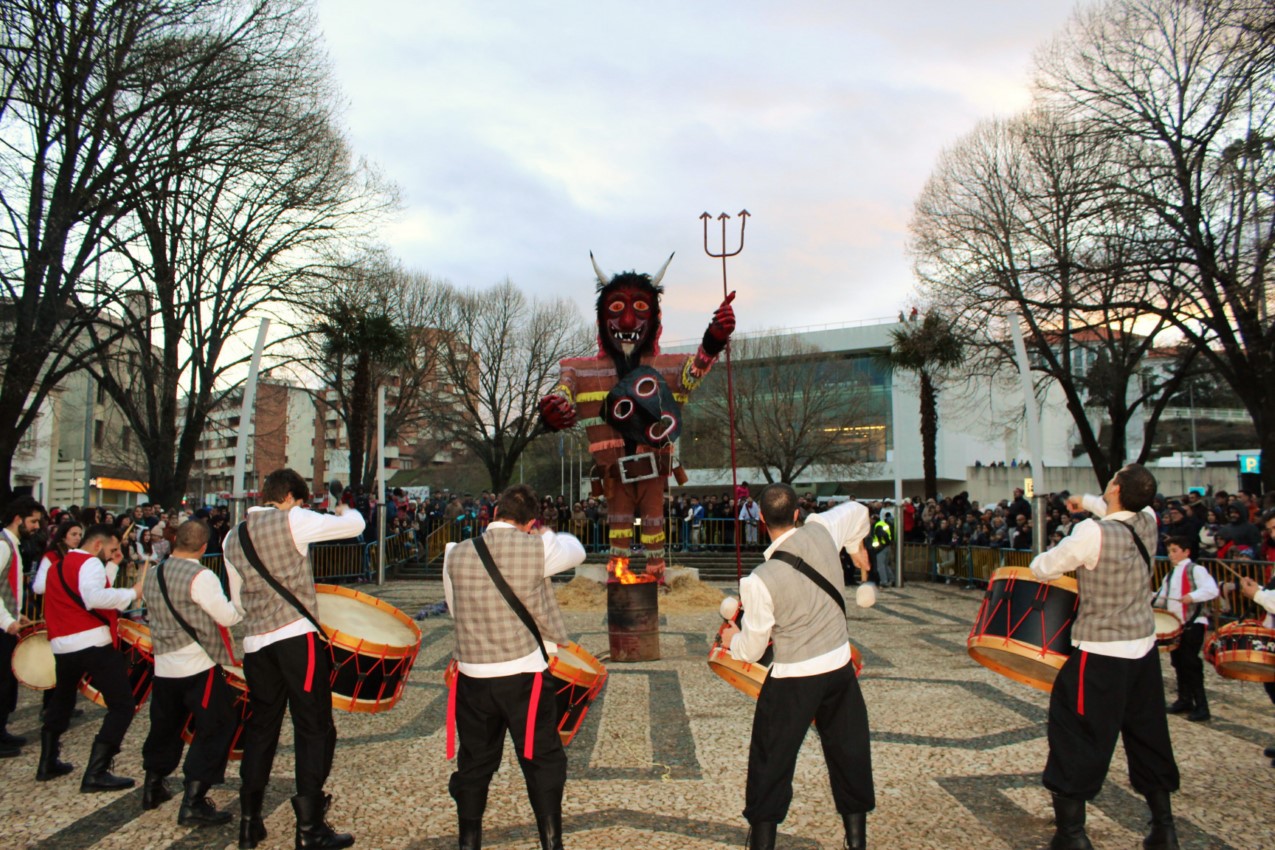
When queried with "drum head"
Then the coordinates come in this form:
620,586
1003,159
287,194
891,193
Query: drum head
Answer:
573,663
365,619
1166,622
33,663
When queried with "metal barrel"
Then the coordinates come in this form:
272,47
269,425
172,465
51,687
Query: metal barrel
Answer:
633,620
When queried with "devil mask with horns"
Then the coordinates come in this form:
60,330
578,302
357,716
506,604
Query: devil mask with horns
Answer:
629,399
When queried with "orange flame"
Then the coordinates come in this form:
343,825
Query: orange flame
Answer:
618,568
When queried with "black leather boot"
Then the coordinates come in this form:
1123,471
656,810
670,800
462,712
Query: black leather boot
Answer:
471,834
550,828
8,739
154,791
1069,825
856,825
761,835
313,830
1179,706
251,826
98,776
49,767
1201,710
1164,835
197,809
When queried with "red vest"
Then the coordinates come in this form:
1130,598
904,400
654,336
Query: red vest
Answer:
63,616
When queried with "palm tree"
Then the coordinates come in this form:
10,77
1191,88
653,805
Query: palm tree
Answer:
927,348
357,345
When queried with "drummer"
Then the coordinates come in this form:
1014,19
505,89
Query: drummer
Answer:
502,664
20,518
796,598
81,610
1265,596
1183,593
285,661
189,614
1111,685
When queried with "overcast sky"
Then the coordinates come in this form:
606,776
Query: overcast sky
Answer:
525,134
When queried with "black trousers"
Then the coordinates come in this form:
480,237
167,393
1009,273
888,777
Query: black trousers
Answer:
785,709
8,681
1187,663
109,670
211,702
485,710
1097,698
292,674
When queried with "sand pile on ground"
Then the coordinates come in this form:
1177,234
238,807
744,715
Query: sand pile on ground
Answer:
683,593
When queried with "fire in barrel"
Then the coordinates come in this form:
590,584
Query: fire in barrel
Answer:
633,613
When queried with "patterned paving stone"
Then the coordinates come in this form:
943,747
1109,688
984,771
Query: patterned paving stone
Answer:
660,761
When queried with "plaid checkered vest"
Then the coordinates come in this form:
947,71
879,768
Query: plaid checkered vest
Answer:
487,630
807,623
265,610
9,559
166,633
1115,596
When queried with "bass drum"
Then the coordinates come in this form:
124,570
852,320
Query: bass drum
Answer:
1023,628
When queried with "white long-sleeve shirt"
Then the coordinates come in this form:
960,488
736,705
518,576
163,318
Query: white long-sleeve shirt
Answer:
1266,598
306,527
10,557
562,552
1171,590
95,593
1083,548
848,524
191,659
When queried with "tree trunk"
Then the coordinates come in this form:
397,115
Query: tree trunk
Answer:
929,435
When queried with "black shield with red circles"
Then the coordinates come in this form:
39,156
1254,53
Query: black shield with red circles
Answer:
642,409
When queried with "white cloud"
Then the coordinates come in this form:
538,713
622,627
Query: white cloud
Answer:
525,135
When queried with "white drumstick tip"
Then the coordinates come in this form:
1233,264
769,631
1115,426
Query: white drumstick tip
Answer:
729,608
866,595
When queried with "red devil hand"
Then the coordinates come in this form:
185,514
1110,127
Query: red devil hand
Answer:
720,329
723,324
557,412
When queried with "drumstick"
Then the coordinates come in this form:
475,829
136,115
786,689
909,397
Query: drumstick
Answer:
1224,566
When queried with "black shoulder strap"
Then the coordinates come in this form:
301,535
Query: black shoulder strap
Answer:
810,573
484,554
250,552
1142,547
163,589
75,596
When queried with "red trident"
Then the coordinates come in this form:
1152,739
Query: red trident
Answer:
723,255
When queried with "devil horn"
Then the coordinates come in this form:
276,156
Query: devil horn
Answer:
602,279
660,275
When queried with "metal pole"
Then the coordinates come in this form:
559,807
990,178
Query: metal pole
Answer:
898,483
238,494
1034,443
380,484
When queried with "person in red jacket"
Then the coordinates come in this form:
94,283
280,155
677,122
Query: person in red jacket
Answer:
81,610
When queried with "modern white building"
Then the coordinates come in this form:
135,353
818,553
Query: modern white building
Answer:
981,425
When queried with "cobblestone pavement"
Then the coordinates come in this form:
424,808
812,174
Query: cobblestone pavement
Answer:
660,763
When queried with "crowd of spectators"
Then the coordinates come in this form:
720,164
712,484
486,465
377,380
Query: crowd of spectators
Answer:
1220,525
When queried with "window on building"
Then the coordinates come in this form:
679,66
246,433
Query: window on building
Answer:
99,433
127,439
101,394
